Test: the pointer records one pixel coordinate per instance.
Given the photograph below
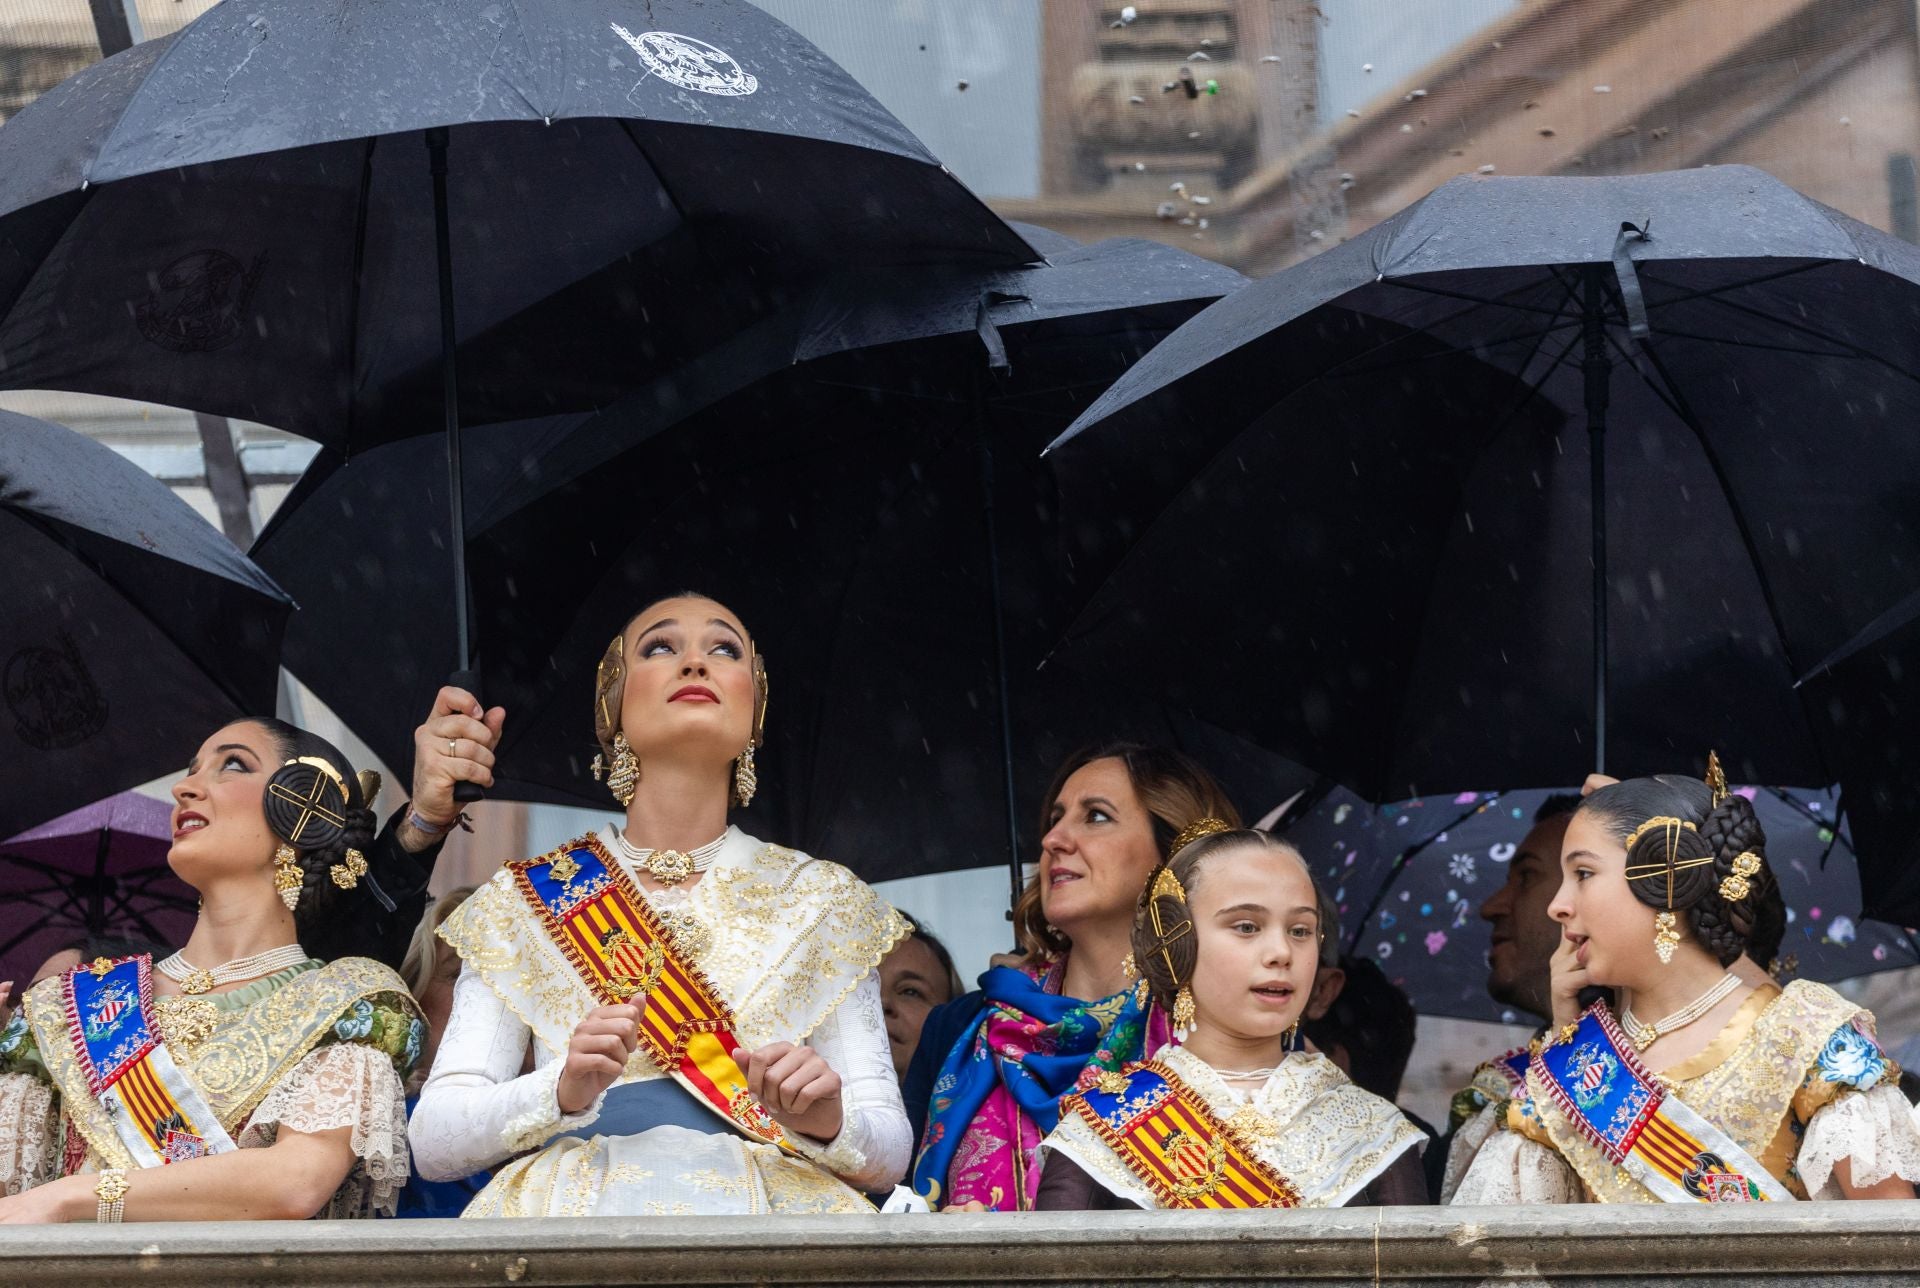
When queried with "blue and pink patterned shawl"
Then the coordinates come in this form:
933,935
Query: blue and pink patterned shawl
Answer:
998,1092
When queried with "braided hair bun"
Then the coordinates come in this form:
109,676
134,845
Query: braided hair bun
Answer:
1690,863
321,844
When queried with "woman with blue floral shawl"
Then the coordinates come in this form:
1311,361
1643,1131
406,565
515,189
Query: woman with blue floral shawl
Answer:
985,1083
239,1078
1705,1087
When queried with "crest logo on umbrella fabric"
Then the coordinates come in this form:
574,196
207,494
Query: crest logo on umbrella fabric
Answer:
198,302
689,63
53,697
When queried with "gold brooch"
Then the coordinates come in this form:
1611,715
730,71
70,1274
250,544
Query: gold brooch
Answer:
1746,866
186,1021
1111,1082
1253,1126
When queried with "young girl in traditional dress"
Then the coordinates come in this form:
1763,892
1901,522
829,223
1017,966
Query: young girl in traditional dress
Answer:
238,1078
702,1006
1235,1115
1709,1085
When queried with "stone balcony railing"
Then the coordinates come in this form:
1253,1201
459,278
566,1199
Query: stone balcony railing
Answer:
1856,1244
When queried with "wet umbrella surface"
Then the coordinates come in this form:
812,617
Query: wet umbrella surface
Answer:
132,628
1367,482
828,476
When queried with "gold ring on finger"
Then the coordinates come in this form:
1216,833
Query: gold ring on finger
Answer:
451,744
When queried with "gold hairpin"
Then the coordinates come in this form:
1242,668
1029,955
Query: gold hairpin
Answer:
1660,820
1644,871
1193,831
1716,778
1167,886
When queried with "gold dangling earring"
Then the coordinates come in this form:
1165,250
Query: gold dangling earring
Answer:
745,780
1127,969
1293,1037
1666,936
1183,1016
347,875
286,875
622,774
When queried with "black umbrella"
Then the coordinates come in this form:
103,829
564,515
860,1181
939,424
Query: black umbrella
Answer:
291,209
840,502
1410,877
1367,490
132,627
1864,697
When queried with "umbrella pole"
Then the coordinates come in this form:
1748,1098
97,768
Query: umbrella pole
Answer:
464,676
1000,666
97,897
1597,368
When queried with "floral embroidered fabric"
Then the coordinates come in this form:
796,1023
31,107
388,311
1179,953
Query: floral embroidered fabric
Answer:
790,941
1328,1137
1796,1079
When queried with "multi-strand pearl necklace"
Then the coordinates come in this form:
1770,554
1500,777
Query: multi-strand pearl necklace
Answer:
1645,1035
195,980
671,867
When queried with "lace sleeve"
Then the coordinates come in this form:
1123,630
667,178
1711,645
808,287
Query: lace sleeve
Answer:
1510,1169
29,1139
870,1153
344,1084
1465,1146
1874,1129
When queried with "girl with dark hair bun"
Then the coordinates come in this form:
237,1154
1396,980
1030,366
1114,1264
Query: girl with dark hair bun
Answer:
984,1086
239,1077
1711,1083
1237,1114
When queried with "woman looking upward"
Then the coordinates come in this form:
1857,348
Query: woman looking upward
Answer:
702,1006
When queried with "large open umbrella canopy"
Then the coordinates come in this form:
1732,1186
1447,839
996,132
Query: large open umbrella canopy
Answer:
1693,475
859,478
293,210
132,627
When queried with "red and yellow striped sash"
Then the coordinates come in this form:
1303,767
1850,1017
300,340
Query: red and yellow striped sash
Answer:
1178,1147
626,954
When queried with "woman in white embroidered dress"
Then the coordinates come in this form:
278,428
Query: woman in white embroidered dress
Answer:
1661,881
789,943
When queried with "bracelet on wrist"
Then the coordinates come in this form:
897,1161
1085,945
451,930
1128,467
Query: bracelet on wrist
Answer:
437,829
111,1190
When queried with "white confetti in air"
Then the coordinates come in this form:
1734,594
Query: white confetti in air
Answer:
1366,67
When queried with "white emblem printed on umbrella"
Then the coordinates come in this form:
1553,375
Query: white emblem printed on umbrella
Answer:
689,63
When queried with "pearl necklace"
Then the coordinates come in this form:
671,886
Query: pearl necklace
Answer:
1247,1075
195,980
671,867
1645,1035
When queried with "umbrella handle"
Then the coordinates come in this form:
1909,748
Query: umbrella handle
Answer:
467,793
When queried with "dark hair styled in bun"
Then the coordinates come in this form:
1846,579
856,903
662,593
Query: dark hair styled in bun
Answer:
1693,861
317,889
